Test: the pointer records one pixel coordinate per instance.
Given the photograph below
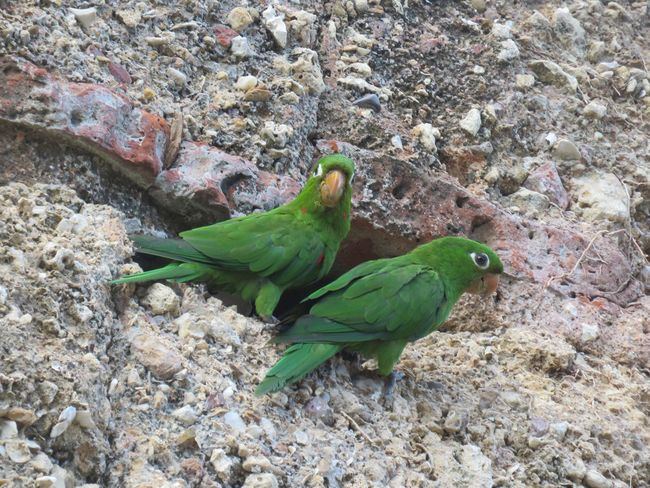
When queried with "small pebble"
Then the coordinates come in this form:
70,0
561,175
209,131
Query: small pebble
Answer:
538,426
595,110
68,414
239,18
559,430
535,442
455,421
45,481
502,31
371,100
301,437
8,429
261,480
552,73
23,416
479,5
157,356
472,122
396,141
511,398
240,47
361,69
258,94
256,464
524,82
187,439
427,134
566,150
245,83
25,319
42,463
593,479
161,299
85,16
509,51
148,94
177,77
317,407
590,332
276,26
191,326
130,18
84,420
18,451
234,421
222,464
120,73
361,6
224,35
158,41
186,415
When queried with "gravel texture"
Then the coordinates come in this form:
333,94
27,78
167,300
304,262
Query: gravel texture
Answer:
524,125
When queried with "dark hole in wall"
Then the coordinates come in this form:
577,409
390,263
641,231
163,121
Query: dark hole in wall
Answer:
461,200
76,117
400,190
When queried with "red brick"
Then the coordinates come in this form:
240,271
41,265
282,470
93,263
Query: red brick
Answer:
207,180
398,206
87,115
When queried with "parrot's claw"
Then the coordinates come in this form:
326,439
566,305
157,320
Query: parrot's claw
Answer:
272,320
392,380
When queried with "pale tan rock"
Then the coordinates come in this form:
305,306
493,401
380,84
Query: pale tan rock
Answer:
162,360
239,18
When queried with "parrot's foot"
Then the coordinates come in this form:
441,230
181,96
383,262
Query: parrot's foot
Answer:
392,380
271,319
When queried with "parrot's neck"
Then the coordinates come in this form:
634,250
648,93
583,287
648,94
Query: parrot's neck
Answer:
448,266
336,219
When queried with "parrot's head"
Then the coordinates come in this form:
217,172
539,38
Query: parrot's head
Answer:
333,176
471,266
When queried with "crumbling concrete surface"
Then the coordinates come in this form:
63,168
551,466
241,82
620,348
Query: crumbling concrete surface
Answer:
521,125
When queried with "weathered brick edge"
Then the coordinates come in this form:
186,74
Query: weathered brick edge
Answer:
203,179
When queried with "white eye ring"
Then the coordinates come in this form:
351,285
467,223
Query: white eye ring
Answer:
319,171
481,260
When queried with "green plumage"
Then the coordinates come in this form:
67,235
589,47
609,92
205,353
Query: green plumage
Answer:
380,306
298,360
260,255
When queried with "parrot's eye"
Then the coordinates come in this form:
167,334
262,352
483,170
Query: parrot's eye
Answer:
481,260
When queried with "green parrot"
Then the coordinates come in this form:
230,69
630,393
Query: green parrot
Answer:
379,306
261,255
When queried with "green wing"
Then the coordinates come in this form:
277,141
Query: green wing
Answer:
273,244
380,300
342,281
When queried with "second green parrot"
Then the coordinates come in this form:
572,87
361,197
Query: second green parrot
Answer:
380,306
258,256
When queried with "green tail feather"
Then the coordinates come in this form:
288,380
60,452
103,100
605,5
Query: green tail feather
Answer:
180,272
176,249
297,361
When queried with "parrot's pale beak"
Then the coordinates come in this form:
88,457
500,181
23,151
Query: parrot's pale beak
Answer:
491,282
332,188
486,285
